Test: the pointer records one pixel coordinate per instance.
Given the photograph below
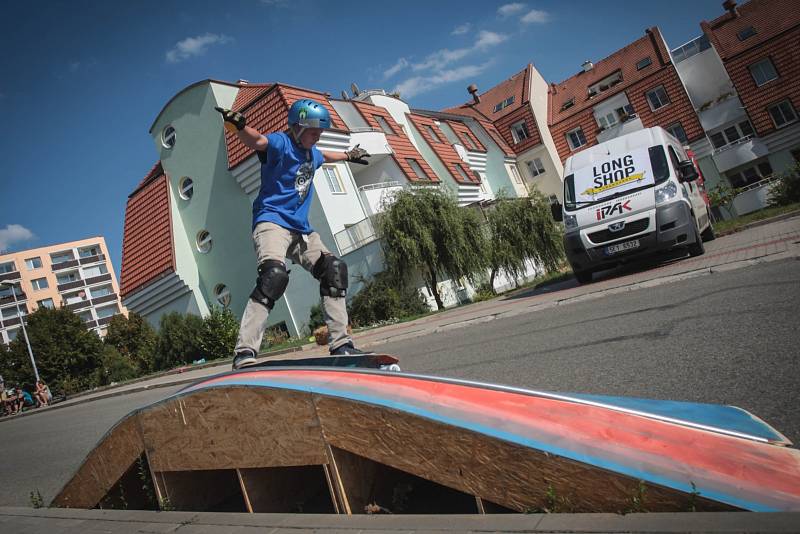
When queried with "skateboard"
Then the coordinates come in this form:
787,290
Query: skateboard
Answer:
384,362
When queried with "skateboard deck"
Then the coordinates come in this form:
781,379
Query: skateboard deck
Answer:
386,362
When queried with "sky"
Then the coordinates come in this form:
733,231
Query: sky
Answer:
82,81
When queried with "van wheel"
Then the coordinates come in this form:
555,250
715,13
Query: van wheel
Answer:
697,248
583,277
708,234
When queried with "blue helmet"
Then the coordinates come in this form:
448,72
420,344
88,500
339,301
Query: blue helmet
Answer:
309,113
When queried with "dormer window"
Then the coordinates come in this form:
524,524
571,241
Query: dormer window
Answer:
384,125
432,133
568,104
504,104
605,84
746,33
643,63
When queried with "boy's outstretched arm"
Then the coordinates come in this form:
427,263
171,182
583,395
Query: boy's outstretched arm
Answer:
354,155
237,123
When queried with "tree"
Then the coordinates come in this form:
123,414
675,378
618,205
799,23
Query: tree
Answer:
787,189
134,339
67,354
383,298
219,332
115,367
522,230
178,340
425,231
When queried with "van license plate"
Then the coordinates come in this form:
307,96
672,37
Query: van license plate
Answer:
621,247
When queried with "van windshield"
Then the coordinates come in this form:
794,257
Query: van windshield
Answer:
615,176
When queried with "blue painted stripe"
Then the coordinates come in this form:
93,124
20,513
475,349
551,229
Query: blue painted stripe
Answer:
602,463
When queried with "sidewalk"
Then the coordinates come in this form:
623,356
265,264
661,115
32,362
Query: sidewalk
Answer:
773,241
69,521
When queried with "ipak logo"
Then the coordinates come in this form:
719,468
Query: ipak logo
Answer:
613,209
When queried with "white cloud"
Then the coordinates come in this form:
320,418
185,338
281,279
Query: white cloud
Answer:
422,84
13,233
195,46
394,69
441,58
536,16
461,30
276,3
487,39
510,9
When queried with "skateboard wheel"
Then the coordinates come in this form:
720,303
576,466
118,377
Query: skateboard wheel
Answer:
391,367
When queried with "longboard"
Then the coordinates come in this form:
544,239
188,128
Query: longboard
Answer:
385,362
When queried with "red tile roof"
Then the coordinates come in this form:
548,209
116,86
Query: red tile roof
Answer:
769,18
401,145
623,60
147,252
777,26
267,109
517,86
463,132
443,150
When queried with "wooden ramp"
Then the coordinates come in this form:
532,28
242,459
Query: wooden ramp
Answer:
319,440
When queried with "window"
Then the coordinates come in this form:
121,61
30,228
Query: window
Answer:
605,84
691,48
12,311
469,142
108,311
568,104
101,291
751,175
7,267
334,182
417,169
204,242
763,71
86,316
463,173
65,278
731,134
608,120
678,132
88,252
657,98
39,284
96,270
46,303
504,104
576,138
432,133
515,174
643,63
384,125
782,113
222,295
186,188
33,263
519,131
536,167
61,257
168,137
746,33
12,333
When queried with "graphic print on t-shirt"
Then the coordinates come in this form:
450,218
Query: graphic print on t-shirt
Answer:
302,180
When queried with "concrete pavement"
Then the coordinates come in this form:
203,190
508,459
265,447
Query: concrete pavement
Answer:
762,242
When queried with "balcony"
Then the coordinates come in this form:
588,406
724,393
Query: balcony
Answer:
65,265
742,151
374,195
21,297
356,236
97,279
105,320
105,298
70,285
632,124
13,275
373,140
81,304
92,259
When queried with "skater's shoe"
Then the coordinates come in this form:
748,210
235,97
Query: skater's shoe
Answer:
243,357
347,350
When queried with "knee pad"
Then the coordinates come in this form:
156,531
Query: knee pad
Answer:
332,275
271,283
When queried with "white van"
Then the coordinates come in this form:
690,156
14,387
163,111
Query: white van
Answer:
630,196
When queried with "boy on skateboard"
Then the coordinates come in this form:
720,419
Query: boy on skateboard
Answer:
280,224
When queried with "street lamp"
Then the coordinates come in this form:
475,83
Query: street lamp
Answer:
22,322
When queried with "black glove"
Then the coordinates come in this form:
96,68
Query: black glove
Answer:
357,155
232,117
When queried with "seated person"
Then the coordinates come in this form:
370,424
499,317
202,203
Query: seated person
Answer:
20,401
42,394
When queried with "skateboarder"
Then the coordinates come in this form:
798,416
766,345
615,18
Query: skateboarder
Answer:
280,224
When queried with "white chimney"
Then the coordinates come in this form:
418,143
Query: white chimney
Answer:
587,65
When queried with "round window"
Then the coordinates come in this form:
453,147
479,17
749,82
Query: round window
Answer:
204,241
186,188
168,137
222,295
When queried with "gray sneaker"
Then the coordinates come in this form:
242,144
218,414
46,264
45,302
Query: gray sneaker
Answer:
347,350
243,358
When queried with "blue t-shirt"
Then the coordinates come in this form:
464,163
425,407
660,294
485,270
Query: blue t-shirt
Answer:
287,183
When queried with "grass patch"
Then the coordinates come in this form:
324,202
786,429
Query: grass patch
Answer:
734,225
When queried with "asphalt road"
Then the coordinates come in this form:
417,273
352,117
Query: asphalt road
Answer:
728,338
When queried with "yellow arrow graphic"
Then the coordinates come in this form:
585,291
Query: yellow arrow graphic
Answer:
626,180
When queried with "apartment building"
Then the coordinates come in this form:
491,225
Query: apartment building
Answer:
77,275
187,243
514,114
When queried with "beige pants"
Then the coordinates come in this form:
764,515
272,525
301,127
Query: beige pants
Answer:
273,242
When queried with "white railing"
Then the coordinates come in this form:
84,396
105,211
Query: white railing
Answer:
355,236
363,129
381,185
740,141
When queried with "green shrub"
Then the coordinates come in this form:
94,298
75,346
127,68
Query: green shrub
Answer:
317,318
178,340
787,189
114,367
384,298
218,335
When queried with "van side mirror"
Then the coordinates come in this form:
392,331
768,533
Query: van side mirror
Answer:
555,211
687,171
